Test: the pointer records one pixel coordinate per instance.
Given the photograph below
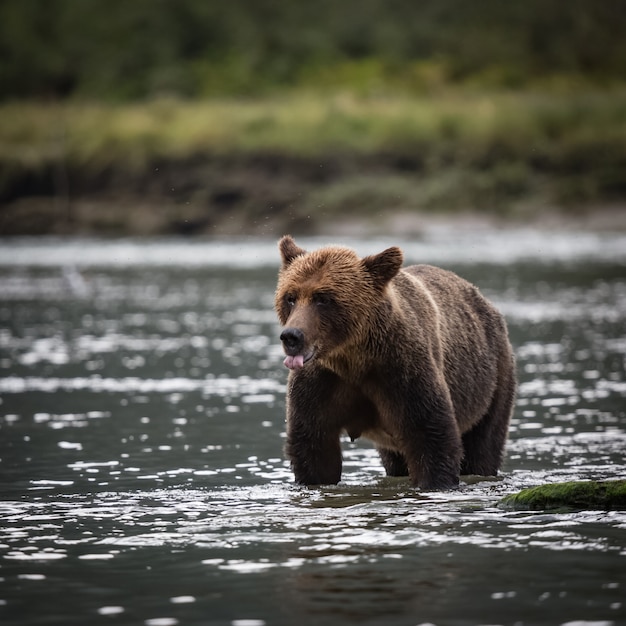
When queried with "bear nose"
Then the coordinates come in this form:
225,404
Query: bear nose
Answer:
293,340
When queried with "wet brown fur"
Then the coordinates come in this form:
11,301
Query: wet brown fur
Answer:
414,359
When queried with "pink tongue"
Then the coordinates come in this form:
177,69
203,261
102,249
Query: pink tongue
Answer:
294,362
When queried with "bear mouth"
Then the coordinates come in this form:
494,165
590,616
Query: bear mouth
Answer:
297,361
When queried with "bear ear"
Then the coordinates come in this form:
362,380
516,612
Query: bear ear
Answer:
289,250
384,266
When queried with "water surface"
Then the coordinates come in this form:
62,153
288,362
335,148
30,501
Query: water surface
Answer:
141,432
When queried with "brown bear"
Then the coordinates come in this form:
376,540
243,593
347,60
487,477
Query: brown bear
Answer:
414,359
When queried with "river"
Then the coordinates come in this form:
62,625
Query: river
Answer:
142,422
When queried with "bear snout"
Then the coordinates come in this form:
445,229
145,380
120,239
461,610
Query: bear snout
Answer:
294,345
293,341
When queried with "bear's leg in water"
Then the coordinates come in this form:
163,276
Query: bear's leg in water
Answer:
483,445
313,429
430,438
393,462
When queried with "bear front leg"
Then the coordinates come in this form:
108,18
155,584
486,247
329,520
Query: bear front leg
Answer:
314,460
433,466
483,445
313,444
431,441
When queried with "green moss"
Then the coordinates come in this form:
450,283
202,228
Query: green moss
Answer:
608,495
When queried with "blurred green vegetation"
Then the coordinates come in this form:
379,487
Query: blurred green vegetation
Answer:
315,157
263,109
115,50
570,131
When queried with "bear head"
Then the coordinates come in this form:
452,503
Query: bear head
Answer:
324,298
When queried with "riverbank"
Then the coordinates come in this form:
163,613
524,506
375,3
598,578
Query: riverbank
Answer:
302,162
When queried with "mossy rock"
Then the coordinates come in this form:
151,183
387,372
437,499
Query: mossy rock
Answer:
578,495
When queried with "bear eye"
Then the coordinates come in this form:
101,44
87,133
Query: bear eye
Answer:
290,299
321,299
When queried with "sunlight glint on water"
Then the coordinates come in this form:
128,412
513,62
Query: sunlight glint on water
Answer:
141,433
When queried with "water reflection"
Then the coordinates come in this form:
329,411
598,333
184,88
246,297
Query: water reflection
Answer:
141,423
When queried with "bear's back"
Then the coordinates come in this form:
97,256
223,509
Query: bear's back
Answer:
455,297
471,333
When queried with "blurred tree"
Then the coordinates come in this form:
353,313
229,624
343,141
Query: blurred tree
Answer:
125,50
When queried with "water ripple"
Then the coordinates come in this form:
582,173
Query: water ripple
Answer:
251,388
142,410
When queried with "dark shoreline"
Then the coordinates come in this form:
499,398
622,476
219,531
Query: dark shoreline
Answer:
271,192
